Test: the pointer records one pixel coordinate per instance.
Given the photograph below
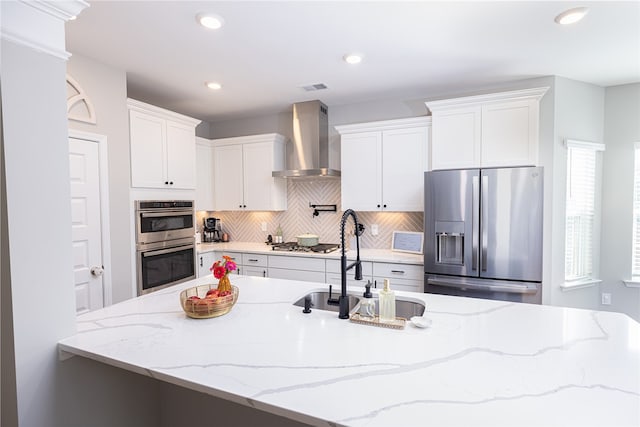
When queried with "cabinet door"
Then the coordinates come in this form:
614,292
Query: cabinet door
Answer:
148,150
404,161
228,177
181,156
361,185
204,177
254,271
258,182
204,262
510,134
456,136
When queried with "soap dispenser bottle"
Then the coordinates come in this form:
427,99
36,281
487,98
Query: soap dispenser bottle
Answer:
367,305
387,303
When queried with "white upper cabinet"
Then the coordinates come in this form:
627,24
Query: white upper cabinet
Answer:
499,129
383,164
162,144
242,173
204,175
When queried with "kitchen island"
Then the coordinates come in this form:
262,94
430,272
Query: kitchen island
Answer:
480,363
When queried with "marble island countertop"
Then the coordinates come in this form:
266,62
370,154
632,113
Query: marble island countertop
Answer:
480,363
379,255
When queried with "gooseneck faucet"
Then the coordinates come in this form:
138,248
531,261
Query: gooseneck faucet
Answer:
359,229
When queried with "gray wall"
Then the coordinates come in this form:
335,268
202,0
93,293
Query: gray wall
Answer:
106,88
579,115
621,131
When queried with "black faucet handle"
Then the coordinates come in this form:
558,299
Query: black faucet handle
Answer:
307,304
358,275
360,230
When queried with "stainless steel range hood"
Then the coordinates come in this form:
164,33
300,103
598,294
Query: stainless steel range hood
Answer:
310,142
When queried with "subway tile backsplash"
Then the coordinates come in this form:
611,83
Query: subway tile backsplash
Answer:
299,219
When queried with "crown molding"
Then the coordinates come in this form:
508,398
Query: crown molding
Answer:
443,104
39,24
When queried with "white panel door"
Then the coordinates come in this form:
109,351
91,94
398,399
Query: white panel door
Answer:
204,173
361,183
404,161
86,224
181,156
509,134
456,138
258,182
148,155
228,178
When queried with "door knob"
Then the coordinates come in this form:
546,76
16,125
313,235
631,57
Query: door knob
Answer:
97,271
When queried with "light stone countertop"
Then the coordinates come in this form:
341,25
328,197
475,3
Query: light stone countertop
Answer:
481,362
377,255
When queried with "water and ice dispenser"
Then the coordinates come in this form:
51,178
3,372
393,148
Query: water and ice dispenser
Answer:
450,242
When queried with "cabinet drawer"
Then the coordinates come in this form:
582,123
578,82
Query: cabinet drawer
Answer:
398,271
336,280
301,275
296,263
254,260
235,256
254,271
333,266
400,284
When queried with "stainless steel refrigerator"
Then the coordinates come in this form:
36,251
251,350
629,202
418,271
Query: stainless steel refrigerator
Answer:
483,233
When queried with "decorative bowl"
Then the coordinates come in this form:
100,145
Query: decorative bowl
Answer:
204,307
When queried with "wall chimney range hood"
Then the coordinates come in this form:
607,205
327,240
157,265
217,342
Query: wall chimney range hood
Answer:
310,142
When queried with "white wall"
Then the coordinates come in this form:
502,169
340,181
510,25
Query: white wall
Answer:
106,88
621,131
37,188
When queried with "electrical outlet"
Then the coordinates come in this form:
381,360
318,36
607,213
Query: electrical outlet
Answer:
374,229
263,226
606,298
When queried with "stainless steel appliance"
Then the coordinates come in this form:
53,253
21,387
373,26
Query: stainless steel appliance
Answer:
483,233
295,247
165,243
211,230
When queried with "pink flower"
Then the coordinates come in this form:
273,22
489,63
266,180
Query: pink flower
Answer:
231,266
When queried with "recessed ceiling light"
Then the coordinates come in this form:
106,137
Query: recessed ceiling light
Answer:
214,85
352,58
210,21
571,16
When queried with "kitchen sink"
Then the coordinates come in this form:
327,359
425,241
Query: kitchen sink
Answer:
319,299
404,308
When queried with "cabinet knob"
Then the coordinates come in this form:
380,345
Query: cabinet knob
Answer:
170,182
378,206
244,206
166,183
240,206
384,206
201,262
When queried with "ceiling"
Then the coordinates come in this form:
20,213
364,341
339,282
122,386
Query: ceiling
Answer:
267,50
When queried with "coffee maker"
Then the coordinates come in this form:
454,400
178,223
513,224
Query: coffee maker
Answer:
211,229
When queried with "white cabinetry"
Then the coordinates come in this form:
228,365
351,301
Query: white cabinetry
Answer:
403,277
334,277
242,173
254,265
162,144
499,129
296,268
204,175
204,262
383,164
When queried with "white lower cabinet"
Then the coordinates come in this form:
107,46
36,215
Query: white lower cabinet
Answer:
296,268
254,265
333,276
235,257
403,277
204,262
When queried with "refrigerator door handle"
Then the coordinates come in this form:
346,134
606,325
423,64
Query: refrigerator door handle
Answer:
483,221
475,222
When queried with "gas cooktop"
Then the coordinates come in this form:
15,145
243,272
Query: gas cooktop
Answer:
294,246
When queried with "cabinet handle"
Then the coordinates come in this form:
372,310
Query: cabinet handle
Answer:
264,273
397,271
252,260
201,262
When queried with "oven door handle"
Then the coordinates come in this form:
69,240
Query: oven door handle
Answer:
164,213
166,251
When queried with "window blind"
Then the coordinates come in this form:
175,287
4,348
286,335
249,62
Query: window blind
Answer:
580,210
635,264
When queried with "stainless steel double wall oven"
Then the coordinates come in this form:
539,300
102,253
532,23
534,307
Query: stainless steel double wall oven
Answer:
165,243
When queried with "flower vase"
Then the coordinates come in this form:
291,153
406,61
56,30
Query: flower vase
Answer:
224,284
